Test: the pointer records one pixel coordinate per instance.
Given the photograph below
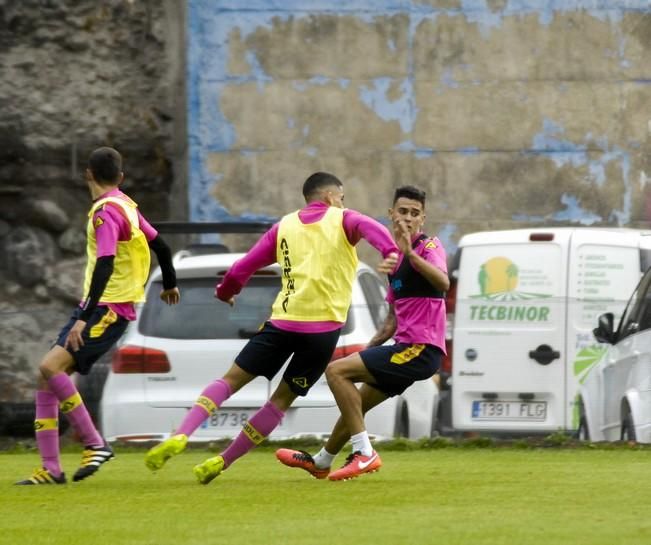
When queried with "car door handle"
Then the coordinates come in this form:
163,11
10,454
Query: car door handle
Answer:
544,354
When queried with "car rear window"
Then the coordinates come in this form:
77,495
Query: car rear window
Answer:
200,316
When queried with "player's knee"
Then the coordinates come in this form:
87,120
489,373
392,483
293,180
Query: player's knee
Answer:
334,373
330,373
41,380
45,371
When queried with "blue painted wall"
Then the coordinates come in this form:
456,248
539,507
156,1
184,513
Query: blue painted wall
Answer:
572,154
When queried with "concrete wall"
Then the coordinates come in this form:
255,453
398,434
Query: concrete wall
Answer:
508,112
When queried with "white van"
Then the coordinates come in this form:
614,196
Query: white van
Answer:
521,336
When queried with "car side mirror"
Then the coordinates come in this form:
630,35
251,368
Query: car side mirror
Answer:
604,332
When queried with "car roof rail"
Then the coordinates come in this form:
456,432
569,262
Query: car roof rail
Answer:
204,227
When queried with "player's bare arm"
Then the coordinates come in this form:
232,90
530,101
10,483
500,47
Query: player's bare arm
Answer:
386,331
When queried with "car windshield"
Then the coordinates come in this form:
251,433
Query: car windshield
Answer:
200,316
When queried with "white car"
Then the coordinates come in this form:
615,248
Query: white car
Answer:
615,397
169,354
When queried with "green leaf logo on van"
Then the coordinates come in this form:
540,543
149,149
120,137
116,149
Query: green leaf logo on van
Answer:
586,359
498,281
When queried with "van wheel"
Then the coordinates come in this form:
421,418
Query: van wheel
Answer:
583,433
628,427
402,422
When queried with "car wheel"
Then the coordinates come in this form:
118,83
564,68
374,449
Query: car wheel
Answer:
434,429
402,422
91,386
628,426
583,433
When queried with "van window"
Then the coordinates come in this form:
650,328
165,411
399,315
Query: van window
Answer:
374,293
200,316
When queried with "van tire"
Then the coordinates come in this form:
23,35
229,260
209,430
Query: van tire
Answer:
583,433
628,426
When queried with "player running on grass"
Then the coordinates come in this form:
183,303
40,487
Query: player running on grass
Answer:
417,322
315,247
118,243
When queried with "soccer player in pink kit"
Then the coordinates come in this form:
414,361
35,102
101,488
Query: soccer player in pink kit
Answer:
118,258
315,247
417,323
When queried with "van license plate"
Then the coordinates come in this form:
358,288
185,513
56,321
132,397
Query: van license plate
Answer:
532,411
228,419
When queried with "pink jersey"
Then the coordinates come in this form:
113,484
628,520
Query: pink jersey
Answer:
421,320
263,253
115,227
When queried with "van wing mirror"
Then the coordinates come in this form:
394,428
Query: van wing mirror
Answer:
604,332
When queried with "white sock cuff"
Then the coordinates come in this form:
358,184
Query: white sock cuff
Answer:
362,443
323,459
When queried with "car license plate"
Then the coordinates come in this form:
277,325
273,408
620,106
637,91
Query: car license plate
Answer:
228,420
531,411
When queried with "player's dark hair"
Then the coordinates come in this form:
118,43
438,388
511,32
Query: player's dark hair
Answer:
410,192
106,165
318,181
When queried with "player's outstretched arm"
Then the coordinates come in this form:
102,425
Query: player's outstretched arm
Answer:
262,253
170,293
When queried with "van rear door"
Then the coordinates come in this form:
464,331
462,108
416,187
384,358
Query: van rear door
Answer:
509,332
604,270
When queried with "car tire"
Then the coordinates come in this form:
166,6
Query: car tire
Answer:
628,426
402,422
583,433
434,429
91,386
4,419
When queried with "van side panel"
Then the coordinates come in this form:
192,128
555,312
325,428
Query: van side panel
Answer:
604,270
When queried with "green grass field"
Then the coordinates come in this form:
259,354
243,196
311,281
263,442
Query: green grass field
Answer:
483,496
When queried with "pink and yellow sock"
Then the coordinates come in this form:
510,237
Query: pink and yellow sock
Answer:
254,432
73,407
46,426
210,399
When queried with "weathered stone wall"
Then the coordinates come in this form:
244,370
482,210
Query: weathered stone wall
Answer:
510,113
75,75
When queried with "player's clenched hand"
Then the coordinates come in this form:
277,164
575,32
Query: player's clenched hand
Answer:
74,340
387,265
171,296
230,301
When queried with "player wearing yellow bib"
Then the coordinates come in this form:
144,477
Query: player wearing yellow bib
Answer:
118,242
315,249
